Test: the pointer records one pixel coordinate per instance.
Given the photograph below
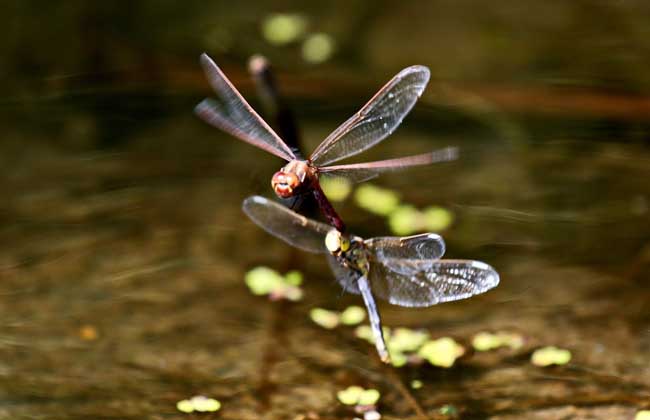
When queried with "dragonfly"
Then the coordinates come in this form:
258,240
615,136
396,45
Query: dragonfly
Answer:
374,122
404,271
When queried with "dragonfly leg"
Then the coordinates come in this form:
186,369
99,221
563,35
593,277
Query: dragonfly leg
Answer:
375,321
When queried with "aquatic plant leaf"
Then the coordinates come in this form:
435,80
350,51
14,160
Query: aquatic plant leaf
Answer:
350,395
377,200
263,280
485,341
324,318
283,28
369,397
353,315
335,188
437,219
550,355
442,352
404,220
318,48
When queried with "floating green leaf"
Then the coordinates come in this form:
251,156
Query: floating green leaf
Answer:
376,200
448,410
406,340
416,384
350,395
356,395
442,352
318,48
324,318
185,406
263,280
642,415
405,220
397,358
551,355
437,219
266,281
369,397
293,278
485,341
336,188
198,403
353,315
283,28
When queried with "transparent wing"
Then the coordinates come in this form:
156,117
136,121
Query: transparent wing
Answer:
376,120
426,246
344,276
235,116
359,172
286,224
419,283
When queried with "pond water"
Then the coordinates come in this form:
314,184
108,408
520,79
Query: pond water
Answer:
124,249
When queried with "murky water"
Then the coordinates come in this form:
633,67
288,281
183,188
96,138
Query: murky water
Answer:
124,248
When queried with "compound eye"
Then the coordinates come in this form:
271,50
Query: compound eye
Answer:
344,243
333,241
284,184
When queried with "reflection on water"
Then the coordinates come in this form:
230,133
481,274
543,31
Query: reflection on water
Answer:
125,251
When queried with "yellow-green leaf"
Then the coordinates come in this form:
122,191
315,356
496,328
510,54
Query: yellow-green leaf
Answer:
550,355
324,318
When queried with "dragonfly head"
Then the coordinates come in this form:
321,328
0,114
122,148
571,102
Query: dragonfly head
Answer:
285,183
337,243
291,179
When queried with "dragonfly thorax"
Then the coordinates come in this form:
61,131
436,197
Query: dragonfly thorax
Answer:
295,177
348,250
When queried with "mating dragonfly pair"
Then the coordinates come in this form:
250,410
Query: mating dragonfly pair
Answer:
403,271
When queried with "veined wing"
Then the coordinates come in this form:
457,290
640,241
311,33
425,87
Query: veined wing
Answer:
359,172
287,225
376,120
426,246
419,283
235,116
347,278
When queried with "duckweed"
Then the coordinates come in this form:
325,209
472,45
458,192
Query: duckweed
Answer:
356,395
324,318
369,397
551,355
406,220
377,200
416,384
283,28
353,315
642,415
266,281
336,188
200,404
442,352
437,219
448,410
318,48
485,341
407,340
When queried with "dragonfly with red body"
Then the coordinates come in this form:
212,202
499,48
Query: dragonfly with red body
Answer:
375,121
